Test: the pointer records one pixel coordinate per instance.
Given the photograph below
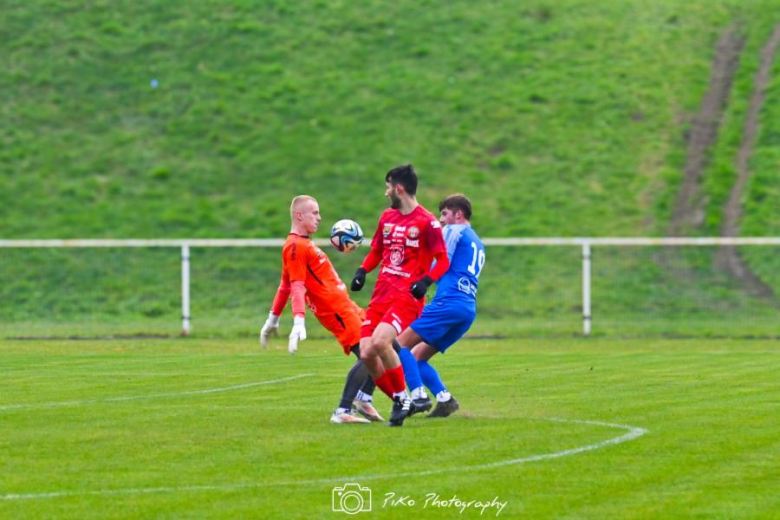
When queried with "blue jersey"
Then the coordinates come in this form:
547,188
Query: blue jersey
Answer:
467,258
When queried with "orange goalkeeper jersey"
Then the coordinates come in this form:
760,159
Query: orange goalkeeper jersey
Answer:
325,292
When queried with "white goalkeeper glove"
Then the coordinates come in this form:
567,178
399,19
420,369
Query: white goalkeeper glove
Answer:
298,334
271,328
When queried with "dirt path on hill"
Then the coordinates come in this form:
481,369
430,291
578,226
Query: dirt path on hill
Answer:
688,212
728,258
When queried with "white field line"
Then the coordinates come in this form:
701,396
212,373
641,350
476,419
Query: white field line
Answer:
32,406
633,432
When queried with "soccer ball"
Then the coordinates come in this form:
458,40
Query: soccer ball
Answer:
346,235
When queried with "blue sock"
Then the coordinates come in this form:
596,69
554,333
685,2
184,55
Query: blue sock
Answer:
430,377
411,372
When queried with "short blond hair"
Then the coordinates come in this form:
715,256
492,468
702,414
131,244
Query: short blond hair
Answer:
298,202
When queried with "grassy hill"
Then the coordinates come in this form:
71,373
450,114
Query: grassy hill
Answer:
158,119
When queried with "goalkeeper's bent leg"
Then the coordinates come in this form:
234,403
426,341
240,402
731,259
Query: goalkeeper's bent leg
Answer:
369,386
356,379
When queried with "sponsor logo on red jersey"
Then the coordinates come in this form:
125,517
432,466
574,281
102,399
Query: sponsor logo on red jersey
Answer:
397,272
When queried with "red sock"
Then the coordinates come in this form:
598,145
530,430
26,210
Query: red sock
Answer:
396,375
384,383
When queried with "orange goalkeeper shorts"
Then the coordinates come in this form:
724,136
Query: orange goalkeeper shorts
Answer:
345,326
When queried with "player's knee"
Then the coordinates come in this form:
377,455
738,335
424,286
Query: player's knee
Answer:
378,346
367,350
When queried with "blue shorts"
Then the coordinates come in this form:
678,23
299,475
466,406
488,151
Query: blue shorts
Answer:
444,323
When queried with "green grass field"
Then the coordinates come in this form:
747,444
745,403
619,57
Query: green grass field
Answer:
567,118
565,428
575,112
158,119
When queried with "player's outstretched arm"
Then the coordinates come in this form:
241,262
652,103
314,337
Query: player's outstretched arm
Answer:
298,332
271,326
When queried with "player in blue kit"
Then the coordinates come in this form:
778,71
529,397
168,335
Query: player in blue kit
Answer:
451,312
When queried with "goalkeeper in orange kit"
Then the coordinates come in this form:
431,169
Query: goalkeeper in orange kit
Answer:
309,279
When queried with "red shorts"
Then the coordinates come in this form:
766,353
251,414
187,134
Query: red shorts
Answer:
399,311
345,326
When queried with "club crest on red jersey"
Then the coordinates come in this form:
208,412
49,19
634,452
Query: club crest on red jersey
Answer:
397,255
387,230
414,232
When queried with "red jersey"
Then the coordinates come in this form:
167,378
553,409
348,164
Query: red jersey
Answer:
407,245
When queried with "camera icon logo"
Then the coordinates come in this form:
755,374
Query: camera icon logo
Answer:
351,499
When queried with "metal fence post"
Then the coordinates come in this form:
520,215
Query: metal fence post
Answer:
586,288
185,290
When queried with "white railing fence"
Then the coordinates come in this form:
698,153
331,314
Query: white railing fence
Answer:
586,245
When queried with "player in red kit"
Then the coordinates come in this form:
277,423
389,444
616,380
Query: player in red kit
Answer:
407,241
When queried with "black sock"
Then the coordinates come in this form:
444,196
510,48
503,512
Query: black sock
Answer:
369,386
356,379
